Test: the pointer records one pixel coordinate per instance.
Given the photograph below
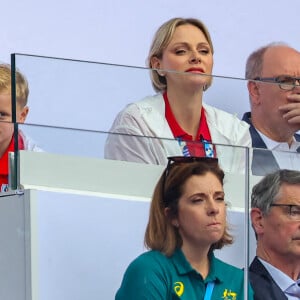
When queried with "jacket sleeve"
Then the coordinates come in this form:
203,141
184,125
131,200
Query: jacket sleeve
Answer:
30,144
130,139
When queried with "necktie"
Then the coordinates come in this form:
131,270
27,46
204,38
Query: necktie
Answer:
294,290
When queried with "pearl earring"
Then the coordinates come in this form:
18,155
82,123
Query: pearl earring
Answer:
160,73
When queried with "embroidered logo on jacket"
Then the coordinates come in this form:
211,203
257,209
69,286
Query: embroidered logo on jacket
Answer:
178,288
229,295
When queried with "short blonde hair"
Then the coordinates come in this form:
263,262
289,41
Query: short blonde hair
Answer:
161,40
22,90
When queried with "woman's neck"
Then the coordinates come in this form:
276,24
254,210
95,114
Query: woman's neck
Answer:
198,259
186,109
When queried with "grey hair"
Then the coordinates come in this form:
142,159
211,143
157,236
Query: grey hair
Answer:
254,64
266,191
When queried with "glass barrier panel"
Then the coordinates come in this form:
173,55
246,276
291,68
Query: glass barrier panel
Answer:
79,145
89,95
79,94
265,161
96,181
262,163
70,184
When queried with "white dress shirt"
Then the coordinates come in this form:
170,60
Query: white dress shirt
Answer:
286,156
284,282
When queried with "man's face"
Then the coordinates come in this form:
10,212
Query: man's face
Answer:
279,232
277,61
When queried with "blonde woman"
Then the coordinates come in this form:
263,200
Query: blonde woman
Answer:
175,121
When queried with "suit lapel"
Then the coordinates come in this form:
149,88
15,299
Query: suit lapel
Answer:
265,288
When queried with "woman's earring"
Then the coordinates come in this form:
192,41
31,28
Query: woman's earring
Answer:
161,73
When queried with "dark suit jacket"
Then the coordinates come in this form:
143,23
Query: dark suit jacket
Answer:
263,161
263,284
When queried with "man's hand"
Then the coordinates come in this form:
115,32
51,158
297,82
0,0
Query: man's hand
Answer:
291,110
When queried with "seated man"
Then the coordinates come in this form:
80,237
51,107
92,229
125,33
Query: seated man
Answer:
275,216
274,92
6,125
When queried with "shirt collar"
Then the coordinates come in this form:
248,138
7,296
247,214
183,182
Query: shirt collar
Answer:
281,279
203,130
273,145
183,267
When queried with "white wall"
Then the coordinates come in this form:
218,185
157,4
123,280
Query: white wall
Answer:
120,31
81,245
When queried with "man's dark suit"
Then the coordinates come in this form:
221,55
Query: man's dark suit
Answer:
263,161
263,284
